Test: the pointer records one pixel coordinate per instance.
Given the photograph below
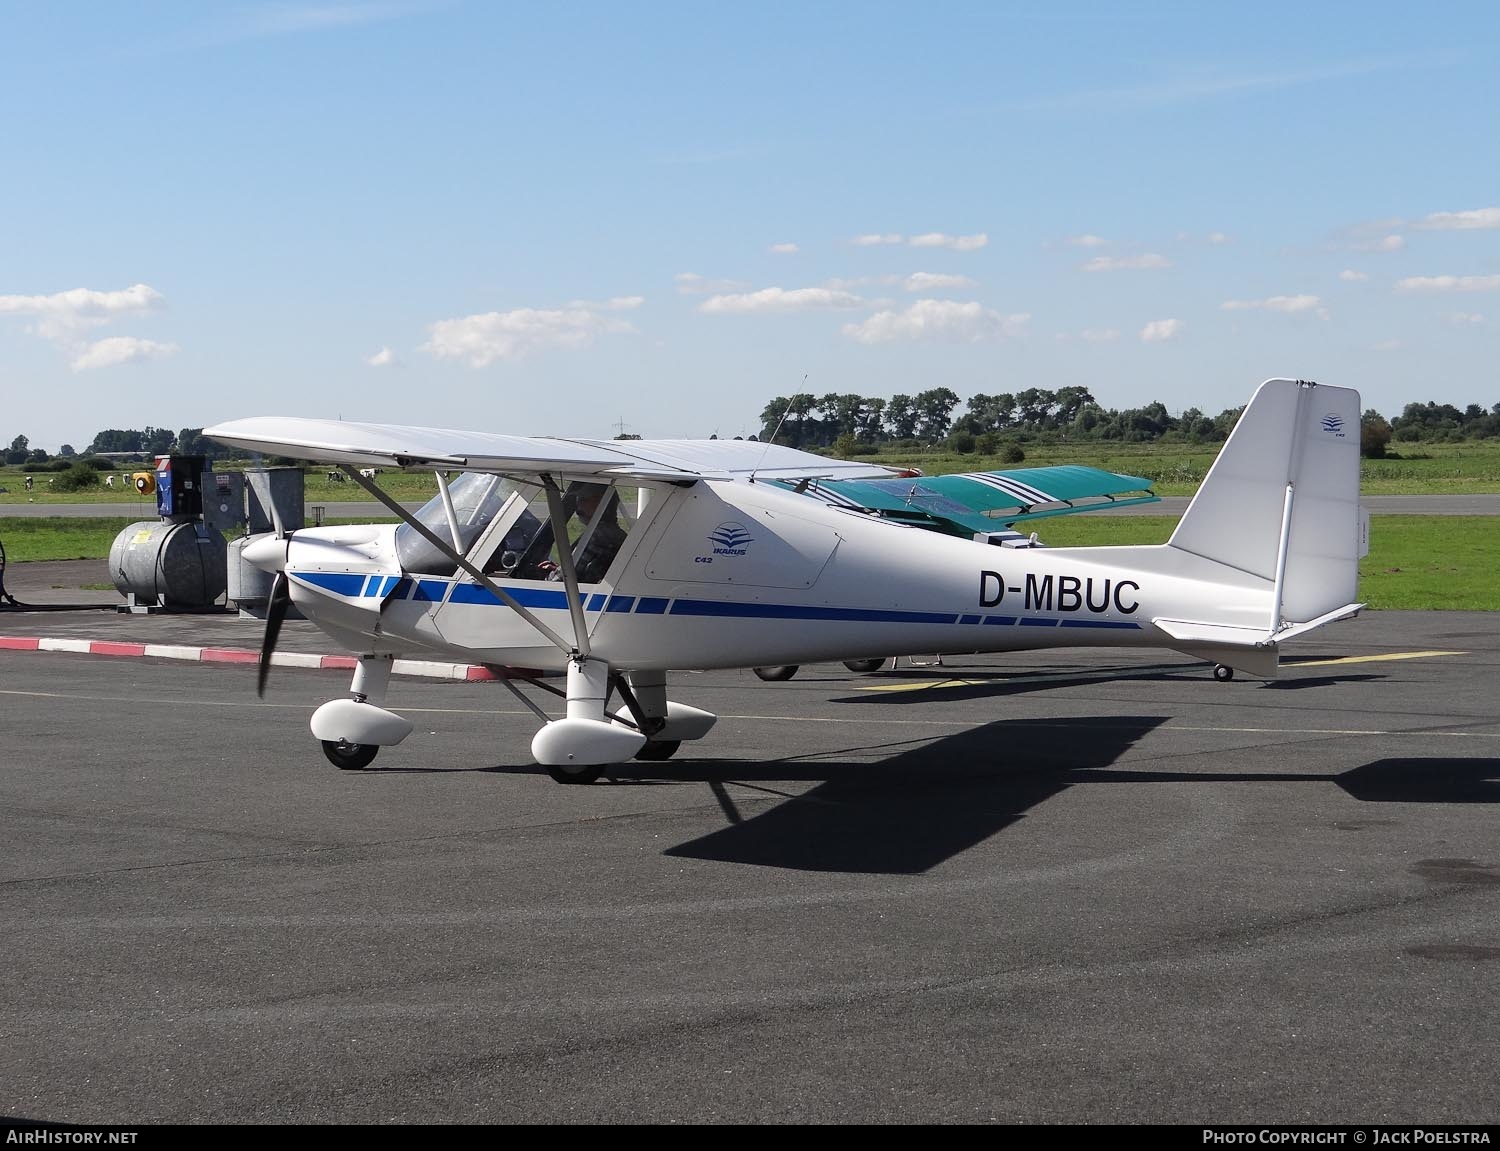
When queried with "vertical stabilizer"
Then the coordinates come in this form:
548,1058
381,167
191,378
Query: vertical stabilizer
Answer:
1282,500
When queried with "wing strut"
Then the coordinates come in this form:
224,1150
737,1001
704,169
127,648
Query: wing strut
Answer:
488,584
559,516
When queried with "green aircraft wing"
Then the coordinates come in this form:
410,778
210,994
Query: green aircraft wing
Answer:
964,503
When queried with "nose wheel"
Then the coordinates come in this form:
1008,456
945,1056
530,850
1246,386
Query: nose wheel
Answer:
1223,673
350,756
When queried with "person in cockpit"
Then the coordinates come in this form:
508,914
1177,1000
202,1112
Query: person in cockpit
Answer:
607,536
528,547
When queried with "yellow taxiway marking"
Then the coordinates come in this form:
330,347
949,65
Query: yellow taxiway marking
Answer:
1135,672
932,685
1372,658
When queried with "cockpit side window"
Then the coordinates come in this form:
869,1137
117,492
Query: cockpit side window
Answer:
598,524
477,499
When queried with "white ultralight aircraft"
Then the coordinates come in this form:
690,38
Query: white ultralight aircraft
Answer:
683,554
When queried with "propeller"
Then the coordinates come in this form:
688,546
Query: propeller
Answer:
276,609
269,554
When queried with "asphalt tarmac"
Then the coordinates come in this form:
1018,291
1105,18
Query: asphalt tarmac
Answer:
1054,887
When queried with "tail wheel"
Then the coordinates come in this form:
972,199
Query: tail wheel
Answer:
575,772
658,749
350,756
1223,673
861,666
779,673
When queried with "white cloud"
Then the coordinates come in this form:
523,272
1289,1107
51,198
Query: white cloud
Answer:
1478,218
1386,346
482,339
1466,319
385,358
1278,304
1449,284
1088,240
115,350
1350,276
935,282
62,315
1158,331
956,243
841,284
780,300
1218,239
692,284
1392,243
1121,263
871,239
786,249
947,320
1100,335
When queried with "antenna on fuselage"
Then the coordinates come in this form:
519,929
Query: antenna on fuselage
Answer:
772,440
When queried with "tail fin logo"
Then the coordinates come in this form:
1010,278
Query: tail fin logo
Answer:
1333,424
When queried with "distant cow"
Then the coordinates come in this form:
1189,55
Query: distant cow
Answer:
369,473
109,481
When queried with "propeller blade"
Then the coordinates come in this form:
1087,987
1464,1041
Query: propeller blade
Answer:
276,609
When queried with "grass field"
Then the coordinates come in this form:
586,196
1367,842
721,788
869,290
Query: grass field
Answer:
1415,562
1422,563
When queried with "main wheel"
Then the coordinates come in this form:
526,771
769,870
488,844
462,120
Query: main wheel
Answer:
654,750
777,674
1223,673
863,665
350,756
575,772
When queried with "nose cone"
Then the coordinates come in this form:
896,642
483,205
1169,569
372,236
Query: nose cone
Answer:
267,553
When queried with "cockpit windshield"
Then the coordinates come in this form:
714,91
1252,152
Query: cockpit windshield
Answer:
477,499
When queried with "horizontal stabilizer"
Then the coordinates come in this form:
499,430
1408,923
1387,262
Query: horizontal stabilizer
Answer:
1218,634
1348,611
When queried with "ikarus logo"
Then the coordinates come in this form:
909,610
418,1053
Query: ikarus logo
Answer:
1333,424
730,539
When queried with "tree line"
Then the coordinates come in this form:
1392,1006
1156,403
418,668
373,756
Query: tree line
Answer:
146,442
851,424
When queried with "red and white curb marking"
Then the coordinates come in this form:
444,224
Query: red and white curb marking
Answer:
427,668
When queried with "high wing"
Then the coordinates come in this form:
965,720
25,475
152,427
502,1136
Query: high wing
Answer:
398,445
971,502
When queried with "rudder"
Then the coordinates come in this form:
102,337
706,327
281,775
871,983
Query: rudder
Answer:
1295,450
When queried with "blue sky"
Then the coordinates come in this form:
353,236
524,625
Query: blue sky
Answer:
556,218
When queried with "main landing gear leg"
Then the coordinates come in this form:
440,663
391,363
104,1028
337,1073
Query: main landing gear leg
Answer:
352,731
666,724
578,749
650,691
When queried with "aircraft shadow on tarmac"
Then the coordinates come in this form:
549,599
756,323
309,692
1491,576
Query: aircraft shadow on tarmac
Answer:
923,805
908,813
1424,781
933,799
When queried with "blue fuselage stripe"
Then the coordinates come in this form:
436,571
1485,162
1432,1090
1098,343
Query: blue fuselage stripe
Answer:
355,586
722,610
